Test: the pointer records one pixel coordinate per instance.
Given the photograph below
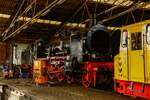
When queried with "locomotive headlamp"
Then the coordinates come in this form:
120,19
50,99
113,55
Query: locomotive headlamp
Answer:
68,57
39,44
84,41
94,55
124,38
67,64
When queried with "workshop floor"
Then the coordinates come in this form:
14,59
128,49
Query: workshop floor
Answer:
63,91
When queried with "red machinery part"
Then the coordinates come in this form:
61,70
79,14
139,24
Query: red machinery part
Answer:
55,68
90,72
60,77
55,72
135,89
87,79
51,69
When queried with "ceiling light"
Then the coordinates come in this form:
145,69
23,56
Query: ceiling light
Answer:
11,25
111,2
25,27
46,12
42,21
61,1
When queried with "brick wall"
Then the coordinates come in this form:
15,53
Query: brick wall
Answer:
3,52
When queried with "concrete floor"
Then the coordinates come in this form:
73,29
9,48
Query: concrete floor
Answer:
63,91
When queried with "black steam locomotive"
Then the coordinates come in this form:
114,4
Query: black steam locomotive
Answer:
91,56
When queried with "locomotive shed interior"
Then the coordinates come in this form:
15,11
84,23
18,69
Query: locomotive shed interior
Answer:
74,49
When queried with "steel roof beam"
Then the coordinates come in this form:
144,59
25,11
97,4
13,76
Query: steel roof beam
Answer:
72,15
134,7
39,14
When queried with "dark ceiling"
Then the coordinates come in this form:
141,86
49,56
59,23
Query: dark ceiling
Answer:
75,11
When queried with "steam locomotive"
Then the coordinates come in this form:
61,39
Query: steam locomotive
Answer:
92,55
89,59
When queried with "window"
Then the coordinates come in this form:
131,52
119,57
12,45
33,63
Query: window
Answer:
148,34
124,38
136,41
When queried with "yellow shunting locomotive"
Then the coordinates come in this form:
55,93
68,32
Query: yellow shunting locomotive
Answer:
132,64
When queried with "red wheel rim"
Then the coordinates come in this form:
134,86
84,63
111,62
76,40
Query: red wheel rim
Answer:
60,77
86,80
51,75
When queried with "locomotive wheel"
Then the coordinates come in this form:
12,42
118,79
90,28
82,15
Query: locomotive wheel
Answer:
51,75
104,77
60,76
69,79
74,64
86,79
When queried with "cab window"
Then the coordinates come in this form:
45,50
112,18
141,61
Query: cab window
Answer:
148,34
136,41
124,38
